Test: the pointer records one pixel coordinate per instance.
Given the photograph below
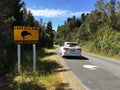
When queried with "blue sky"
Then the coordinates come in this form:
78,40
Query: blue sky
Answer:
57,11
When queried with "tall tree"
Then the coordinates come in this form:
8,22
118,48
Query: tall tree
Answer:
49,27
50,32
118,6
100,6
30,19
110,6
18,7
11,12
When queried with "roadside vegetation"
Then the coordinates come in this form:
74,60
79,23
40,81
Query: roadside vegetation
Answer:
15,14
46,76
97,32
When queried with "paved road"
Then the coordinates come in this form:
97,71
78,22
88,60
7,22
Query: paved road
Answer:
95,73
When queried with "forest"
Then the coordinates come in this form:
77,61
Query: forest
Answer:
15,14
97,31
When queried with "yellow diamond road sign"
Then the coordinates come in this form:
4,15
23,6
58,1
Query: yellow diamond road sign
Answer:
26,35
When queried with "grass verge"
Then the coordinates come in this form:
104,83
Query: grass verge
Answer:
46,76
87,48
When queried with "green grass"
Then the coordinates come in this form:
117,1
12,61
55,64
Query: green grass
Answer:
87,48
46,76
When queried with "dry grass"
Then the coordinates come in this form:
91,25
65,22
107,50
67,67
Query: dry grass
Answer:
50,74
46,76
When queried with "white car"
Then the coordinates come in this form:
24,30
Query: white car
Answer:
70,49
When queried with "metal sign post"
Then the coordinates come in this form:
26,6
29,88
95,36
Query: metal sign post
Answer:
19,58
34,57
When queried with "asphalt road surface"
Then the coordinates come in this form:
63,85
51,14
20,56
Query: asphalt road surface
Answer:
95,72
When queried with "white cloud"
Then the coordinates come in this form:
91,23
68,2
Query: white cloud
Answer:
54,12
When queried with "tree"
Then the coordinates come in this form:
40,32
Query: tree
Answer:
30,19
11,13
18,7
110,9
98,30
117,19
118,6
49,27
100,6
50,32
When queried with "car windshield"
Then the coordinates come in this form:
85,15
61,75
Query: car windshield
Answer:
72,45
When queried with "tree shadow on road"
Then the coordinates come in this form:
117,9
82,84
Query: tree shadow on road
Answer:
77,57
63,70
63,86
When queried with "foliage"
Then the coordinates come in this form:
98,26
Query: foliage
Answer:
50,31
44,78
15,13
7,20
97,31
67,31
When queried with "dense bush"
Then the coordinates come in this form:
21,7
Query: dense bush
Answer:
97,31
15,14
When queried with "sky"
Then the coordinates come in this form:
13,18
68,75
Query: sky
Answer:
57,11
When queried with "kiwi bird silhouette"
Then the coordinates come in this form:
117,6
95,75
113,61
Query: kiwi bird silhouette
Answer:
25,33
